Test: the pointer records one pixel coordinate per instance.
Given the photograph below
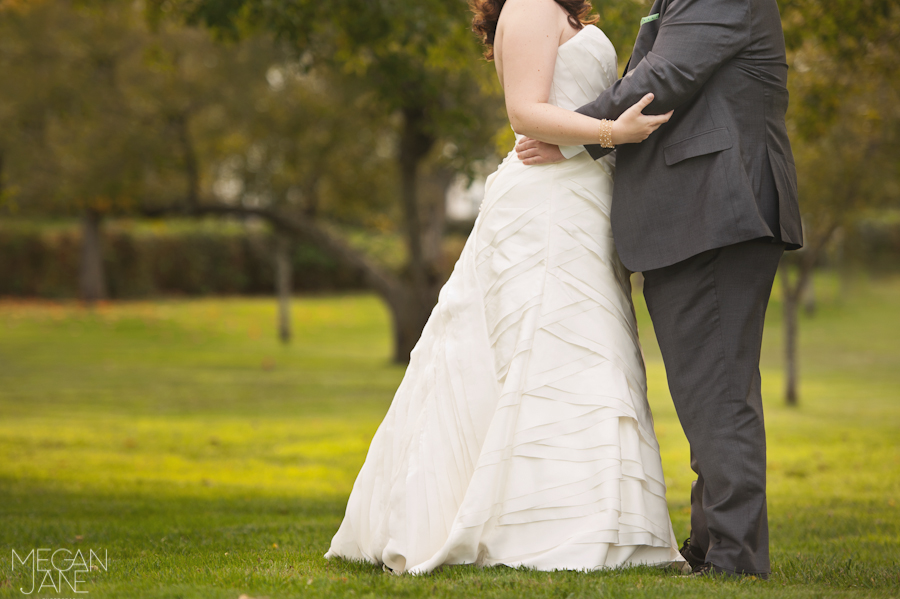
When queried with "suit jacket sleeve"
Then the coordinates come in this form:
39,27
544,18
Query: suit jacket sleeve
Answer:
695,38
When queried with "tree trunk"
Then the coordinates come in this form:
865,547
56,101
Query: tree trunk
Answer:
809,297
408,318
433,192
413,147
92,281
283,286
411,306
790,314
845,267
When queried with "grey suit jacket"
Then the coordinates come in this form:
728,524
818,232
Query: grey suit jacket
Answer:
721,171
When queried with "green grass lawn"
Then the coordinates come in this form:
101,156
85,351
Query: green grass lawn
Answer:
207,460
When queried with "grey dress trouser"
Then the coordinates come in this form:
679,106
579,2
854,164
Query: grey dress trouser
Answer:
708,312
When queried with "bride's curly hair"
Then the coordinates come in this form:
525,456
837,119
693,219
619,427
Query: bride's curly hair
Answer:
487,13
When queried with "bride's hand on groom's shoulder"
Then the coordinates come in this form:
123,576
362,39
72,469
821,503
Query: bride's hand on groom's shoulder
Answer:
531,151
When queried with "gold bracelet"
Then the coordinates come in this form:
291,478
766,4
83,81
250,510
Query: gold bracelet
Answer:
604,134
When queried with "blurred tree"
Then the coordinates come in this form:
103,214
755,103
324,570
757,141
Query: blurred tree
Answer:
412,63
70,143
111,118
415,64
845,124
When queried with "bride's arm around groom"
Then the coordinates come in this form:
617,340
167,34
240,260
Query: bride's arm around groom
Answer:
680,46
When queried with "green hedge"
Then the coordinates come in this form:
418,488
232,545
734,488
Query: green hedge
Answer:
167,258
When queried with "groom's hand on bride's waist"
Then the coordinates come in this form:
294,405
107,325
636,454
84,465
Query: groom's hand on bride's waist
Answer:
532,151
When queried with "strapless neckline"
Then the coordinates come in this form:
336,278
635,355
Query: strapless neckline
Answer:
577,34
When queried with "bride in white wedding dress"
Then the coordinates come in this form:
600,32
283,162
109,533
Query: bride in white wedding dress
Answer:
521,433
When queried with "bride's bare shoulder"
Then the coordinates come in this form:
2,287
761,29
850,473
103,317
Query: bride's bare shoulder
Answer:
532,10
532,15
529,17
532,4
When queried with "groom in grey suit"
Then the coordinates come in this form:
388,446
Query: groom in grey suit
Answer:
705,207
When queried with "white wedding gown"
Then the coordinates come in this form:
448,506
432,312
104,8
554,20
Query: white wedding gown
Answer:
521,433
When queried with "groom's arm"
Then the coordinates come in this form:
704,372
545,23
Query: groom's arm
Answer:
695,38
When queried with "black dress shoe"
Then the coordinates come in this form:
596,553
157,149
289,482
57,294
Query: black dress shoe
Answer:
707,569
690,555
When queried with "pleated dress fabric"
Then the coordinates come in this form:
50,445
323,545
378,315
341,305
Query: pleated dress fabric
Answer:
521,434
